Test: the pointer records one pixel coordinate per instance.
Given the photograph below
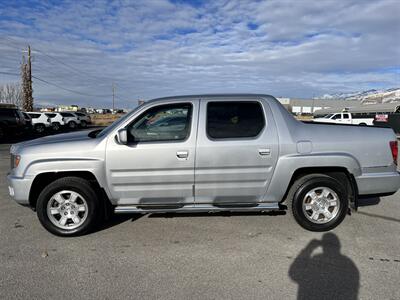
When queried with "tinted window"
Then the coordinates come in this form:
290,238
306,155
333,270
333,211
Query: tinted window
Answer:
51,115
34,116
346,116
234,119
162,123
66,115
80,114
7,113
337,116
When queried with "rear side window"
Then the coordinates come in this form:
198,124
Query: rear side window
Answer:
51,115
34,116
229,120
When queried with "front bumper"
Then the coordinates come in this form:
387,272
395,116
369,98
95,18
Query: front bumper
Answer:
378,183
19,188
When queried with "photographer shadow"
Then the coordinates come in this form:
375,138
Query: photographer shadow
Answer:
329,275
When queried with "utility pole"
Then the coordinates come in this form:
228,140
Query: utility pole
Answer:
113,91
26,73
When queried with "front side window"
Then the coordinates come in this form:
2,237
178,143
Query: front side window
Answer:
337,116
346,116
67,115
169,122
227,120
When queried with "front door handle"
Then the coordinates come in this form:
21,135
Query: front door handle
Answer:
182,154
264,151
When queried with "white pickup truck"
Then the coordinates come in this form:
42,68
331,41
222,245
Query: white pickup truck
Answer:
345,118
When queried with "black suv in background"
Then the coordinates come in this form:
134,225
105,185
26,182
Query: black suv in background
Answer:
12,121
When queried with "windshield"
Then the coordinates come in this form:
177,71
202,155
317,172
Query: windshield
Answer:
116,123
328,116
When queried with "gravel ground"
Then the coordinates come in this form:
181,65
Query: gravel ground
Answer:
206,256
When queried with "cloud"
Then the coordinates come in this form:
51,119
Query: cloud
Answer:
159,48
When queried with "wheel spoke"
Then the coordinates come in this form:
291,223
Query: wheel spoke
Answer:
73,197
59,198
308,207
315,215
313,195
326,193
81,208
63,220
54,211
327,214
76,219
333,202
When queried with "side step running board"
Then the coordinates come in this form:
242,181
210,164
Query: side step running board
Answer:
195,208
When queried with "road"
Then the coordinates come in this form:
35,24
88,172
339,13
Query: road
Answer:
207,256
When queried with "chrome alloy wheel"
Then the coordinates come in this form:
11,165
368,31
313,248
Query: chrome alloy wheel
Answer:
67,209
321,205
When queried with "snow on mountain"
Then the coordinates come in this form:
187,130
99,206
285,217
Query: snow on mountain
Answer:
369,96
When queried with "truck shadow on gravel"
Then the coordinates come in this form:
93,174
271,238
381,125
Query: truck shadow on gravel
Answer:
115,220
326,275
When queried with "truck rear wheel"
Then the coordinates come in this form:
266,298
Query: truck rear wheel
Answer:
318,202
68,207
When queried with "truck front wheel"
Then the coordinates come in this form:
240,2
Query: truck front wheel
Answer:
318,202
68,207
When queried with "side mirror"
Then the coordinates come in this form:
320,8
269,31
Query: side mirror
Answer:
122,136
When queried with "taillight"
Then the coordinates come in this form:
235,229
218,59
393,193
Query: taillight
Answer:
395,150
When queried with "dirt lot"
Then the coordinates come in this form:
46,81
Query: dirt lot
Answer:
238,256
104,119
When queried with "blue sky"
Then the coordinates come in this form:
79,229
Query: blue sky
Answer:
153,48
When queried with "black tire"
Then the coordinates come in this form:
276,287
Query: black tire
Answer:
56,126
307,183
83,124
40,128
363,124
71,125
80,186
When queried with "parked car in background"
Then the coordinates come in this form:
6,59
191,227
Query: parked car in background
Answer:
70,120
84,118
11,120
40,121
28,122
204,153
57,120
346,118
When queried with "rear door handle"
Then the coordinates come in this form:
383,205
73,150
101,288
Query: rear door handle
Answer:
182,154
264,151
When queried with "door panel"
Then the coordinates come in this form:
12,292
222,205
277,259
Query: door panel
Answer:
236,170
156,172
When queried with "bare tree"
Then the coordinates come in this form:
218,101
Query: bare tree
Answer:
11,93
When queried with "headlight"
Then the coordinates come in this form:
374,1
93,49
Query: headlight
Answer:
15,159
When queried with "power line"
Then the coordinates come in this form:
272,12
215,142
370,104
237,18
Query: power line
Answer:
9,73
66,89
54,59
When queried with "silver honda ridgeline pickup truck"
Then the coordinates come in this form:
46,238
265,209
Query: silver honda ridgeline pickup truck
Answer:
204,153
